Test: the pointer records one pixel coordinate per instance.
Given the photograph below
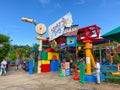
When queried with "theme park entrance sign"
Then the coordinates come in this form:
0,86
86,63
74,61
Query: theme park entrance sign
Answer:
70,31
57,28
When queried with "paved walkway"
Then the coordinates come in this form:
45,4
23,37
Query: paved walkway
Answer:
20,80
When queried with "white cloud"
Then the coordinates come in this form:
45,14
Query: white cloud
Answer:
44,2
80,2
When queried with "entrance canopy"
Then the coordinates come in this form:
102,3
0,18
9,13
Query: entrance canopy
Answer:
113,35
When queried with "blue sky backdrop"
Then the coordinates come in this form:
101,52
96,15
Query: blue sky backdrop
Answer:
104,13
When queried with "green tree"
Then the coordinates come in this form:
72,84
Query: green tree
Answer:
35,50
4,40
116,58
24,51
13,56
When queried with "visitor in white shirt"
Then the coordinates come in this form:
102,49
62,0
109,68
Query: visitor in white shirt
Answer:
3,67
97,67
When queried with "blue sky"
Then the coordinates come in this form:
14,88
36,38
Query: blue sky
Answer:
104,13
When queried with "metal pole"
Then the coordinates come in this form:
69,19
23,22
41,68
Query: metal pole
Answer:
100,54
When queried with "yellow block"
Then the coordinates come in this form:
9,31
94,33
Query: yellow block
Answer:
67,65
45,62
53,56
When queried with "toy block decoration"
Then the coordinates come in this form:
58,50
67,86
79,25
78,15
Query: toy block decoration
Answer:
63,71
63,65
67,65
45,61
53,56
44,56
54,65
67,72
45,68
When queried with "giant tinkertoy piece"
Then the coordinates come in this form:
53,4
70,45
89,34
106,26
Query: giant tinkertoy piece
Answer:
87,36
40,29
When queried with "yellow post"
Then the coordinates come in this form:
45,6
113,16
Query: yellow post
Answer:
92,60
88,57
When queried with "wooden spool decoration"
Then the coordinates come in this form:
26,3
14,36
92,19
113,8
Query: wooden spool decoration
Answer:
40,29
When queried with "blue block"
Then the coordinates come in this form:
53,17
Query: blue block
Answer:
54,65
67,72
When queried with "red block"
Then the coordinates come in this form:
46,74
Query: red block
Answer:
63,65
45,68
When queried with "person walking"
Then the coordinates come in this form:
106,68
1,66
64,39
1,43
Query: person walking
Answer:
17,63
97,67
8,63
20,64
3,67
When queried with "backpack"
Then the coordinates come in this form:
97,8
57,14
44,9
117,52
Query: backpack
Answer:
4,65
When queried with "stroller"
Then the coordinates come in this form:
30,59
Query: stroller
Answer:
25,66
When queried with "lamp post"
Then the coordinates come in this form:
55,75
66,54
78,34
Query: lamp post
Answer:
40,29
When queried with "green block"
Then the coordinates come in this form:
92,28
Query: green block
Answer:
44,56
